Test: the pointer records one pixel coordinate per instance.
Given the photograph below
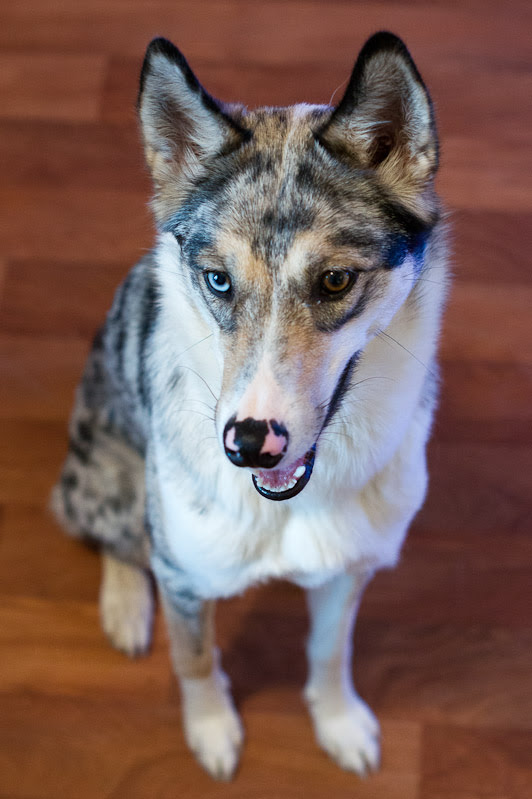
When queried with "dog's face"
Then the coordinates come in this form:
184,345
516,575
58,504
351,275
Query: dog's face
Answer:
299,232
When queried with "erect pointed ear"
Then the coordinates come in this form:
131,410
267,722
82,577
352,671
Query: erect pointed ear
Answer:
385,119
183,127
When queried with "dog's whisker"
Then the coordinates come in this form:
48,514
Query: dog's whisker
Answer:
336,433
185,366
373,377
191,410
352,400
197,399
424,365
210,335
422,279
190,399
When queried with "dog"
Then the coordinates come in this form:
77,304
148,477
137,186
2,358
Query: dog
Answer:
258,401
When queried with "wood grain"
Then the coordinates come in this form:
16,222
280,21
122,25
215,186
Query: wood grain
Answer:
51,85
444,643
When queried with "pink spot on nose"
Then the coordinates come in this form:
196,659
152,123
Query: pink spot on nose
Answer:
230,439
274,443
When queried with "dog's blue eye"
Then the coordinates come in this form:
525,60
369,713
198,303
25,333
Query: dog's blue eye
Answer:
218,282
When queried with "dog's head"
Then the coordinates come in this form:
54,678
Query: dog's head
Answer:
298,232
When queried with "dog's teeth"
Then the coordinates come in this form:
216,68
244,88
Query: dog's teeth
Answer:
262,482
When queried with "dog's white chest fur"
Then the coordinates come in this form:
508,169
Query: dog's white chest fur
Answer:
355,509
223,554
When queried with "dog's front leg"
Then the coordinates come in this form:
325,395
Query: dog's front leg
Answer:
345,726
212,727
211,724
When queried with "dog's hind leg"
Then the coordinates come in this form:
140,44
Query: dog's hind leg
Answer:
345,726
212,726
126,605
100,496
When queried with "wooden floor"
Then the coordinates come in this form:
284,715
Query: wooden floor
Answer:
444,643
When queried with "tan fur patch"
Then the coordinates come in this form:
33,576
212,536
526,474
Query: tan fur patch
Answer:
249,269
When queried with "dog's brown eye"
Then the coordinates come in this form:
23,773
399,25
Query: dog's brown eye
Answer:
336,281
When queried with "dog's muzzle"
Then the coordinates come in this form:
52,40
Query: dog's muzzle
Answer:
261,445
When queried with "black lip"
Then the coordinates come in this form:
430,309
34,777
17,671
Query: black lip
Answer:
279,496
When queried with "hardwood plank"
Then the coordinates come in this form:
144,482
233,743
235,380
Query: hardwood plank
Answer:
70,747
476,764
475,675
491,177
453,587
69,571
490,246
49,223
271,31
39,376
485,402
31,453
58,648
3,270
464,111
50,298
489,323
486,390
57,155
478,487
489,547
51,85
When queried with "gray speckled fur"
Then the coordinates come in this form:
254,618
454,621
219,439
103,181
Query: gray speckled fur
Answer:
100,496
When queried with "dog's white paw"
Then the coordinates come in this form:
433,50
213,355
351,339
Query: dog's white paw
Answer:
349,734
216,741
126,607
212,727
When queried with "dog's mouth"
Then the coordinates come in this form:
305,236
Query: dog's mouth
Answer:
279,484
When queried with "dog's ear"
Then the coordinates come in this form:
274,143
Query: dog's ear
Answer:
183,127
385,119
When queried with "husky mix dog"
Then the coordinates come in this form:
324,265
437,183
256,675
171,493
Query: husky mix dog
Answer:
258,401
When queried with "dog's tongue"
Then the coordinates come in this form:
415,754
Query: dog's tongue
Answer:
280,484
281,479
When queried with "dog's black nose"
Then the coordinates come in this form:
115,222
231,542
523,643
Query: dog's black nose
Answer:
245,443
